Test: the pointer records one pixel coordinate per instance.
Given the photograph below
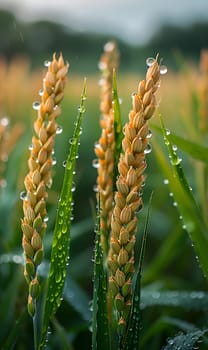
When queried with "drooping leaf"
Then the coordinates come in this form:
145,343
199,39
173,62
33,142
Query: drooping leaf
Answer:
100,327
61,239
195,150
184,200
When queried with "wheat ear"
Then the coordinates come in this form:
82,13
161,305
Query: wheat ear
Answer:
128,199
104,148
39,176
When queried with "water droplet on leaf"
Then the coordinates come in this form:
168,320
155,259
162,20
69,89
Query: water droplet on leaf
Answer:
23,195
36,105
163,70
46,63
59,130
150,61
95,163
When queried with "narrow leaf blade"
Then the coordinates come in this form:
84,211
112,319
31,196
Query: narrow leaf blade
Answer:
61,240
186,204
100,335
131,340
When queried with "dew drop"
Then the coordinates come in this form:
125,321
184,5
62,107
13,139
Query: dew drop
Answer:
64,163
30,147
40,93
184,227
166,181
167,132
163,70
4,121
150,61
58,277
95,163
59,130
95,188
46,219
73,187
23,195
171,194
180,217
36,105
53,161
175,204
72,141
120,100
81,109
175,148
176,161
64,228
148,149
46,63
149,135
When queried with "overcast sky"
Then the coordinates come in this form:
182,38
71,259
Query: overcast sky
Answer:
132,20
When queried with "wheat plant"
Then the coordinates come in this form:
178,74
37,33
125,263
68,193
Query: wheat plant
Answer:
133,302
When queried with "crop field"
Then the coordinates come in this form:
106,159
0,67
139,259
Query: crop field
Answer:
103,205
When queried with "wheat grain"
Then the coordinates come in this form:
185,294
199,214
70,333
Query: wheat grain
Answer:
128,199
39,177
104,148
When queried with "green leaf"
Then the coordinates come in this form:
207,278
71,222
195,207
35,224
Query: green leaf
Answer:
131,338
100,328
184,341
61,240
117,126
195,150
184,200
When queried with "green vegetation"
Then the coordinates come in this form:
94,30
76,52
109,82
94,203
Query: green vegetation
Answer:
169,292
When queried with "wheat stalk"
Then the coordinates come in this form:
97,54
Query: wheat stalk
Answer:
104,148
128,199
39,176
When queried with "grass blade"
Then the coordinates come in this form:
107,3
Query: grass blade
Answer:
185,201
61,240
100,330
195,150
131,340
